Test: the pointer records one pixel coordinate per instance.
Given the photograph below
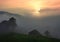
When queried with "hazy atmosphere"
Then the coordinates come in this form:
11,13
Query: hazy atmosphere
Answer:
26,16
31,7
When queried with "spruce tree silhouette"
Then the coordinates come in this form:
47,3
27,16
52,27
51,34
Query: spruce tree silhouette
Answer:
34,33
47,33
8,26
12,24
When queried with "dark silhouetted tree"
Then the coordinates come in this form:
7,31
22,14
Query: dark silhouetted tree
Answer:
47,33
8,26
12,24
34,33
3,27
12,19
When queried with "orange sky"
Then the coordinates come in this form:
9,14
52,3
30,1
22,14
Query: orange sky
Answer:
33,5
29,3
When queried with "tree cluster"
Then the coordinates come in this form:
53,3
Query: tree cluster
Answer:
8,26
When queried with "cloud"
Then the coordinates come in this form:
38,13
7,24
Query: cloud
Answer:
25,3
49,11
20,11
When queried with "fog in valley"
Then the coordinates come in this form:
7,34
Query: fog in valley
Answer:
49,20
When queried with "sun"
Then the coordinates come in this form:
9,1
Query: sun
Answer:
36,14
36,7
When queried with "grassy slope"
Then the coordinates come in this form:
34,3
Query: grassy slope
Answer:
26,38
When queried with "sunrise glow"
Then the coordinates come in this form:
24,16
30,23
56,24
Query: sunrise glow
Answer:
35,5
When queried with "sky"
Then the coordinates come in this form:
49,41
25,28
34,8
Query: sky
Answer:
31,5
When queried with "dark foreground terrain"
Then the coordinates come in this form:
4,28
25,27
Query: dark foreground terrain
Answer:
26,38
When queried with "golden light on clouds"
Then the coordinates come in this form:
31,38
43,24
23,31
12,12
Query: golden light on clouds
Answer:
29,3
36,14
34,5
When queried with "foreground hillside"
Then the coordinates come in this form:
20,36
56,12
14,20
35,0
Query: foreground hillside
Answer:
26,38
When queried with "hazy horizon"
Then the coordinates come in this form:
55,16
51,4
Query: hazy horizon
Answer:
33,14
31,7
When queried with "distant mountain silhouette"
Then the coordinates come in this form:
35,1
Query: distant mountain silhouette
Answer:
3,12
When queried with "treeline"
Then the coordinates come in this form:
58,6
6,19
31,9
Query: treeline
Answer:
37,33
8,26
